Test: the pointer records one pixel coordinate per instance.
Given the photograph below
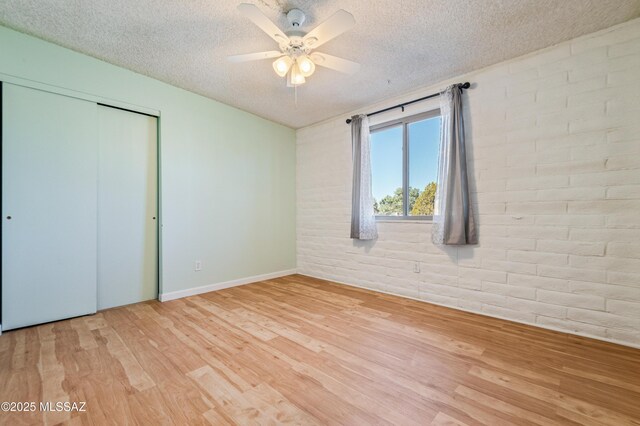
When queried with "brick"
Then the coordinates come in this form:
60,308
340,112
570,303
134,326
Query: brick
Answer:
583,221
574,142
628,250
623,105
482,274
617,292
434,298
571,300
602,206
623,336
585,73
604,151
537,232
550,55
572,326
535,257
444,280
584,59
538,182
603,319
470,283
511,314
603,94
607,178
571,273
532,108
572,194
508,266
621,78
469,305
624,220
607,263
576,112
509,243
624,308
489,208
623,162
623,49
580,87
572,167
611,36
579,234
555,284
510,290
519,220
538,207
536,307
623,278
628,132
590,124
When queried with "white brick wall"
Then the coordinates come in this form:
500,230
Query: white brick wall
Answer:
554,158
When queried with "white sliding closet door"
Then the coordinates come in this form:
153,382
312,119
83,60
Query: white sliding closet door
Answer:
49,217
127,208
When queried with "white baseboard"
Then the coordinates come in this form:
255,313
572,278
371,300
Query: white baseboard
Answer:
546,327
164,297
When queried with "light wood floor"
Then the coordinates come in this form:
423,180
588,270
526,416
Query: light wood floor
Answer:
305,351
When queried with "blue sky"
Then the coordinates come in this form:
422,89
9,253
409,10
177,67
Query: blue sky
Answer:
386,156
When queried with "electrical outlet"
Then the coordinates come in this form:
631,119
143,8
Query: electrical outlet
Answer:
416,267
197,265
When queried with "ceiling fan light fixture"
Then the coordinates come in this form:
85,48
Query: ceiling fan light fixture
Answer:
295,76
306,65
282,65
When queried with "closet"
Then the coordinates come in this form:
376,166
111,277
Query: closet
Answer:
79,207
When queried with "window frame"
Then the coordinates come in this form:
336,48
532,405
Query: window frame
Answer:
404,122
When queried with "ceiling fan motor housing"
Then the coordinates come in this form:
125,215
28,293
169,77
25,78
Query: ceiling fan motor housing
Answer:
296,18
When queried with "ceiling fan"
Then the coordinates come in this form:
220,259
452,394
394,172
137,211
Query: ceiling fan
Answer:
296,61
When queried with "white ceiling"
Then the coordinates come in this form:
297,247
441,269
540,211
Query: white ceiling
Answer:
401,44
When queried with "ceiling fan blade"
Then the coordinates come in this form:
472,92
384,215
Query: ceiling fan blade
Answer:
337,24
252,12
335,63
254,56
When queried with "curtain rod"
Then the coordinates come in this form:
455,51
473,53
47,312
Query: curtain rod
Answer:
460,85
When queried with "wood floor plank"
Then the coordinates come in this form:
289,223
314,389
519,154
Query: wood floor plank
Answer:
507,408
304,351
135,374
444,420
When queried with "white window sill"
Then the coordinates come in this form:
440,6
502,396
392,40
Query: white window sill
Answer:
384,220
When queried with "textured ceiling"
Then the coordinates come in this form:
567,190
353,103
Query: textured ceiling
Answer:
401,44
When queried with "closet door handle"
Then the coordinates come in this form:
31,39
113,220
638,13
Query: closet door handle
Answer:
8,217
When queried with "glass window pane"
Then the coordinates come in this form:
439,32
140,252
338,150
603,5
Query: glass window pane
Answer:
424,139
386,171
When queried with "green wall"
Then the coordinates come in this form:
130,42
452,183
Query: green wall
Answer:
227,177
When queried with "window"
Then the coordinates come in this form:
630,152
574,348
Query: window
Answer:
404,163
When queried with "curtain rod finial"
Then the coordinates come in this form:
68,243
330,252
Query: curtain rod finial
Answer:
348,121
466,85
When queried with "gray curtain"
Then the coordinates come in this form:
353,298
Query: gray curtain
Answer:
363,222
453,221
